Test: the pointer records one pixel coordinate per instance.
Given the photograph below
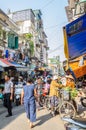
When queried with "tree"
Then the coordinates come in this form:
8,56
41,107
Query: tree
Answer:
29,40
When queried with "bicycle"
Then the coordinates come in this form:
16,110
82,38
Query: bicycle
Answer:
64,107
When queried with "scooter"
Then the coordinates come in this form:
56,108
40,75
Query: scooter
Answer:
75,123
18,90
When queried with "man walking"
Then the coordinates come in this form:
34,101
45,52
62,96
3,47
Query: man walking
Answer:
8,95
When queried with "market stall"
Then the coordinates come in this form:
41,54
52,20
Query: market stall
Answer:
80,71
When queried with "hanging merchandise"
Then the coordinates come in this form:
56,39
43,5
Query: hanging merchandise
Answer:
6,54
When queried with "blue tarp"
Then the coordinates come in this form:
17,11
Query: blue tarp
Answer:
76,36
19,67
16,64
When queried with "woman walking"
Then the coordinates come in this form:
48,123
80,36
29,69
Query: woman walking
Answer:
29,101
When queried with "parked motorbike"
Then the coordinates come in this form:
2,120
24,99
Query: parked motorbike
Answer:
18,90
75,123
83,101
45,100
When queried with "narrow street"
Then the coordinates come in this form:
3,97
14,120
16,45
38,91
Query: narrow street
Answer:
19,121
43,64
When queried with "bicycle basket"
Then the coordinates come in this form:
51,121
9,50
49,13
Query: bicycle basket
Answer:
66,95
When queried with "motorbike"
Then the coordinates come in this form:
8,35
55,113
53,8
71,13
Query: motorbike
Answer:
75,123
83,101
18,90
44,99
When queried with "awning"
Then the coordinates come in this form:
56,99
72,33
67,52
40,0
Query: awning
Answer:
23,69
5,63
15,64
19,67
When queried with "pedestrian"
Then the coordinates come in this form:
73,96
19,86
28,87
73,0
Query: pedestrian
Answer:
71,84
45,73
46,87
8,95
28,93
39,90
54,94
70,81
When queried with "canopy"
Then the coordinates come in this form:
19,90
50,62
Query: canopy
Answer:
5,63
75,38
23,69
15,64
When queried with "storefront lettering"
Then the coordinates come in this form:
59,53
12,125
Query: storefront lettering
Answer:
75,28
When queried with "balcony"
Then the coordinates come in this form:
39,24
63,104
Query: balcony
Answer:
37,44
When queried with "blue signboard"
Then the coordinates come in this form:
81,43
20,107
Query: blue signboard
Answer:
76,37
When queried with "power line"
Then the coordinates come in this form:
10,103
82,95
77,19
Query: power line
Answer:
51,27
56,48
47,4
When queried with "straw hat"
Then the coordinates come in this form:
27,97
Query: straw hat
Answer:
55,77
69,76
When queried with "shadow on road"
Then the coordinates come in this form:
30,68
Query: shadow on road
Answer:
4,121
43,119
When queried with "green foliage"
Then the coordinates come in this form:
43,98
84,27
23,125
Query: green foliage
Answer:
28,38
31,44
73,92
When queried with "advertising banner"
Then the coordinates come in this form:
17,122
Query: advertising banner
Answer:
75,37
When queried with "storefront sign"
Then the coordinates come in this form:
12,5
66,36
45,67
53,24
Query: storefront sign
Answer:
76,37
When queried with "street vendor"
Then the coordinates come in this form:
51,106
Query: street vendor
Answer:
54,94
70,81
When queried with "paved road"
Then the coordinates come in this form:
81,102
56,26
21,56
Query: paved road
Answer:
19,121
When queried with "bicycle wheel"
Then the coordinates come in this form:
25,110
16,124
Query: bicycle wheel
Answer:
42,100
47,103
67,110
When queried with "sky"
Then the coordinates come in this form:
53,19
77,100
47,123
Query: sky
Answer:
54,18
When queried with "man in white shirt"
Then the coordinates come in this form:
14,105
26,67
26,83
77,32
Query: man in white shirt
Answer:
8,95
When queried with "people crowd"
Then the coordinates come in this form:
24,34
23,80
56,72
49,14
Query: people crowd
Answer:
33,89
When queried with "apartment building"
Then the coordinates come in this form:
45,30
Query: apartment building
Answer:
75,9
30,21
8,32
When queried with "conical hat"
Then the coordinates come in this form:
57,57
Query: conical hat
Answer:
69,76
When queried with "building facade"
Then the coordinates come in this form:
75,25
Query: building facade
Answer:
41,38
30,22
8,33
75,9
